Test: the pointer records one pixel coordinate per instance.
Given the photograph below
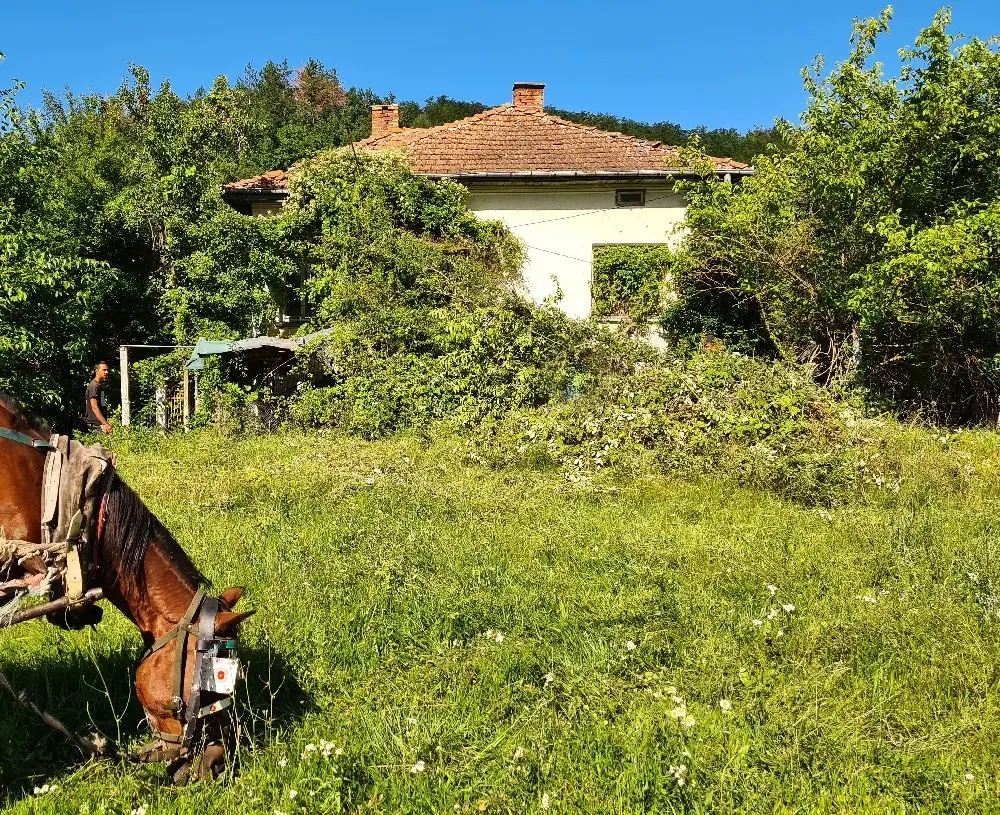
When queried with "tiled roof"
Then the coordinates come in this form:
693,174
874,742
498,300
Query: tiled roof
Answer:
274,181
516,141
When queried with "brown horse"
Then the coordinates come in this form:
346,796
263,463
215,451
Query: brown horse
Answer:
148,577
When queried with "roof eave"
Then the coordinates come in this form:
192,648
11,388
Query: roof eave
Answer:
255,194
581,175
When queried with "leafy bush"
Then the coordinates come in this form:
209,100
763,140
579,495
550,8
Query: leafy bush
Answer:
420,298
758,422
381,375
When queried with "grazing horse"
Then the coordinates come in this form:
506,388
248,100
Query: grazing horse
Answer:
148,577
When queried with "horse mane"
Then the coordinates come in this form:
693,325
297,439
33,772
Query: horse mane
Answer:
129,528
21,417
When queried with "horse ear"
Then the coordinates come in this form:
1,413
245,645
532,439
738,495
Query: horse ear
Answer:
231,596
226,622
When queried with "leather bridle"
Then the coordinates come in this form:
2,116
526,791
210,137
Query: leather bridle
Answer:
215,671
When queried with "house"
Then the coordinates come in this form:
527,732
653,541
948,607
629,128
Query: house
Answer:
562,187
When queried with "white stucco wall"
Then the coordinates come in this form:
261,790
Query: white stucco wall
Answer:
269,208
561,222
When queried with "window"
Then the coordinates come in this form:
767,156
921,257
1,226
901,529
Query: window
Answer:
631,280
630,198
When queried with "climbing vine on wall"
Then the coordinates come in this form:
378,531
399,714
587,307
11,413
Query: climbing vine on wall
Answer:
631,280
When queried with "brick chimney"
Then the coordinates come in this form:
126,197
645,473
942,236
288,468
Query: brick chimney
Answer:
529,95
384,119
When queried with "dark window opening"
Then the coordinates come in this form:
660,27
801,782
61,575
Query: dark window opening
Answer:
630,198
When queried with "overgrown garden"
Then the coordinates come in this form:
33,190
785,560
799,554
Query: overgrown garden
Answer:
505,561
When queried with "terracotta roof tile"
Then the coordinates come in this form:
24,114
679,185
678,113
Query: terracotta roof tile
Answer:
510,140
274,181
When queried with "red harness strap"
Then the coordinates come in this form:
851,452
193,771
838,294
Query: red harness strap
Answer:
100,517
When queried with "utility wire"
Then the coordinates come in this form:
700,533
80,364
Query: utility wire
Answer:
587,212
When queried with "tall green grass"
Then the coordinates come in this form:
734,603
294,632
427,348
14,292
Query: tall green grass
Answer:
480,640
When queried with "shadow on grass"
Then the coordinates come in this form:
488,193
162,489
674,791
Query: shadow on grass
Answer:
98,697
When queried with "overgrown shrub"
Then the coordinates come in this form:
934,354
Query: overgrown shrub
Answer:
868,247
420,298
380,375
758,422
425,330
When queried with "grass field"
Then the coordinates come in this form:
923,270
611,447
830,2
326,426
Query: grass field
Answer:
436,636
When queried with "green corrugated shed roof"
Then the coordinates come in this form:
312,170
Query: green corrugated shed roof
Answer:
206,348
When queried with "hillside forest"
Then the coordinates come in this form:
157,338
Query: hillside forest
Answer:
860,257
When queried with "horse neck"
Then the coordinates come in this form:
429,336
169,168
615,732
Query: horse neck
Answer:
165,596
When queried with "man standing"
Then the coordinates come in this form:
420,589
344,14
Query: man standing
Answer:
97,403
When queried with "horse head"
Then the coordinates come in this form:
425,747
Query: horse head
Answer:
185,682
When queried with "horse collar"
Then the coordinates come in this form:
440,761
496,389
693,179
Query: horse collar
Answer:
41,445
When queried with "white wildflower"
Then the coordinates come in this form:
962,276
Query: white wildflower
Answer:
678,772
677,700
726,705
679,712
630,646
498,638
310,748
772,614
788,608
139,810
869,599
283,762
757,623
688,721
671,691
410,720
549,679
292,794
970,777
772,588
339,751
974,577
42,789
419,767
545,800
518,753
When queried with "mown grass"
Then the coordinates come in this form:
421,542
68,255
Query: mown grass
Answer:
377,569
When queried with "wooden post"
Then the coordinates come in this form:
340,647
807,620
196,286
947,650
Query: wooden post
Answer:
126,405
187,396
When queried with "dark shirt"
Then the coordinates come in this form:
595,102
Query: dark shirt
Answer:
95,390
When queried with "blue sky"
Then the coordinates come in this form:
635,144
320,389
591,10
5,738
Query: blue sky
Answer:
714,62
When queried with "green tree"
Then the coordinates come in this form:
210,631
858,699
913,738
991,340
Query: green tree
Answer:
48,290
867,247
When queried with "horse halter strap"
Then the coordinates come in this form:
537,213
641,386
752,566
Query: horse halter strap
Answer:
207,645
